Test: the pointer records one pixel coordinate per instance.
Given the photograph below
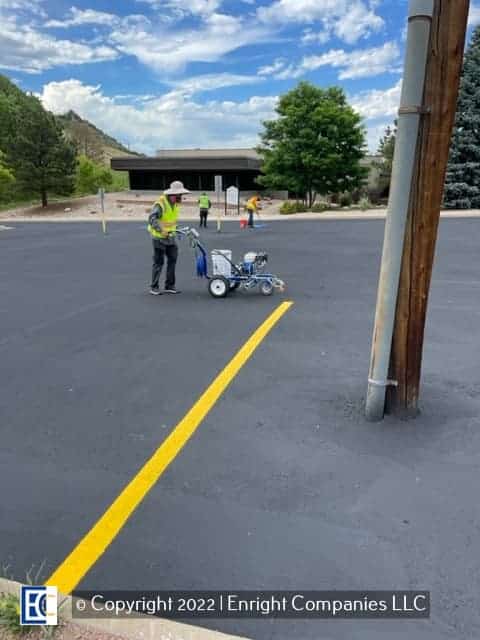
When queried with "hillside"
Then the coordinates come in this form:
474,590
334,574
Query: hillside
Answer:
91,141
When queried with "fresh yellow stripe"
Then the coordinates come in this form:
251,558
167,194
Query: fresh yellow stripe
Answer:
100,536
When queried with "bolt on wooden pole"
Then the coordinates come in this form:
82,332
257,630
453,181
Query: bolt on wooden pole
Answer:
446,48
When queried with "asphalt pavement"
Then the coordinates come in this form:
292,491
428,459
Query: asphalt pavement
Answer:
284,485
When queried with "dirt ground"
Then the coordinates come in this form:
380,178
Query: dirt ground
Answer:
119,206
65,631
133,206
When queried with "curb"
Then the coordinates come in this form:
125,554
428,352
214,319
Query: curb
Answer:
321,217
144,628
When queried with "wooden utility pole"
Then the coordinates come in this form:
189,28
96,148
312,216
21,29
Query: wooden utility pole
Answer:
446,48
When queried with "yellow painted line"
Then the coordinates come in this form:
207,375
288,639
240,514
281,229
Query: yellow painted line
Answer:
100,536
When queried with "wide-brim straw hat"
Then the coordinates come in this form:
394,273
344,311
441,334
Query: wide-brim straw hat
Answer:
176,189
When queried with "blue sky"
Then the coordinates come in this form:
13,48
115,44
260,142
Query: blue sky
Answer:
202,73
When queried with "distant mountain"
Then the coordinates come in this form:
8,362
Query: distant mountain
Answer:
91,141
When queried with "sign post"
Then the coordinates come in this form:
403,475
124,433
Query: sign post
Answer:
232,198
101,193
218,194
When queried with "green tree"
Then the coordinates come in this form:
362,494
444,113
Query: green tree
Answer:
6,177
35,148
43,160
91,176
386,150
315,145
462,187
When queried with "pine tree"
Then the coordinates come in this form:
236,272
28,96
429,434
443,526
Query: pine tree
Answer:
42,159
462,187
34,145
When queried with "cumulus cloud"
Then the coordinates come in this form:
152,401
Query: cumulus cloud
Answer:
378,103
349,20
379,108
173,120
24,48
77,17
360,63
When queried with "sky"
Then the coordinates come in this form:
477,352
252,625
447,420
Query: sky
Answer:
167,74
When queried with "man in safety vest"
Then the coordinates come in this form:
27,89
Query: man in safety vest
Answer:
162,226
204,204
253,205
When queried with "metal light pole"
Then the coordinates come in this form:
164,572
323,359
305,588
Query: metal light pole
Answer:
419,22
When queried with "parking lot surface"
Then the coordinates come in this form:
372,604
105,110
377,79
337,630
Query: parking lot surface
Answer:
284,485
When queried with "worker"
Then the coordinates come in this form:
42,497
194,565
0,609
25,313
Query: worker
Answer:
162,226
204,204
253,205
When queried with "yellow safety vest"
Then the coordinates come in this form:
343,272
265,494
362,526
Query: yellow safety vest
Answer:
168,221
204,202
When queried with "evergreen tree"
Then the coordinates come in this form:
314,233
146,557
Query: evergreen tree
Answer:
35,148
386,150
315,145
462,187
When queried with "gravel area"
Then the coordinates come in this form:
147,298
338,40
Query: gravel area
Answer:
118,206
65,631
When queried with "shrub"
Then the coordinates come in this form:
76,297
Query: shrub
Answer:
10,614
320,207
289,208
91,176
365,204
345,199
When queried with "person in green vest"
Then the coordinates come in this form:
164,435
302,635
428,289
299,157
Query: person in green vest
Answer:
162,226
204,204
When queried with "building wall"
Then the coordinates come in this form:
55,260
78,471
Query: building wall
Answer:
193,180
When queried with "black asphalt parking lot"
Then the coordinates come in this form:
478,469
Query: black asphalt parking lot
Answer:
284,485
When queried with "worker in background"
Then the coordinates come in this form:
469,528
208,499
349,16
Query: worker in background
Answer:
253,205
204,204
162,226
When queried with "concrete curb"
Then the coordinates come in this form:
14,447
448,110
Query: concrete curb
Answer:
144,628
368,215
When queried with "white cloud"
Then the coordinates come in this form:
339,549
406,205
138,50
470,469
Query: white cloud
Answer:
78,17
182,7
171,51
28,6
173,120
474,15
312,37
379,108
349,20
271,69
212,81
361,63
25,49
378,103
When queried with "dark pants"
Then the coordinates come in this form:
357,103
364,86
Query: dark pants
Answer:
159,252
203,217
250,217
